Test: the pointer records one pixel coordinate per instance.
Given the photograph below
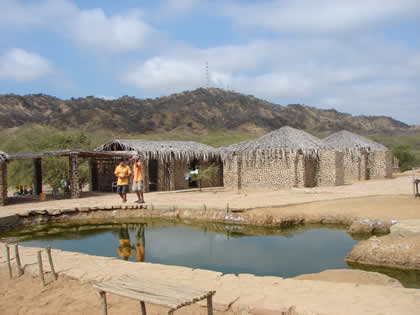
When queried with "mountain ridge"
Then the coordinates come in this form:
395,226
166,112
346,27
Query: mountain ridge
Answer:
198,111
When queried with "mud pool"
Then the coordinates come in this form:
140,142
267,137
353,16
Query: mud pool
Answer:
224,248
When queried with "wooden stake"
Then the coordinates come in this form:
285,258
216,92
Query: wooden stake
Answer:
143,308
17,257
48,250
210,304
8,261
102,294
41,270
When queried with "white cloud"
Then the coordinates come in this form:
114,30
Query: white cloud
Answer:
321,72
90,28
179,6
93,29
325,16
19,65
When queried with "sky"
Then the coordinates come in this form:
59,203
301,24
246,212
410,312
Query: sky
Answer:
360,57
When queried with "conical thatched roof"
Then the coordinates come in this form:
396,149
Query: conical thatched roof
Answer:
3,156
350,142
163,150
281,141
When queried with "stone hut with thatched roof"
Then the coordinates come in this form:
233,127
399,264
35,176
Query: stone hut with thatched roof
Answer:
363,158
286,157
165,163
3,177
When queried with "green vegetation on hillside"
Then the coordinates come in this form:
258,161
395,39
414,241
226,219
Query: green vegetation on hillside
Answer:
39,138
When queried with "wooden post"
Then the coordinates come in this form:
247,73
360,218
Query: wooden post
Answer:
8,261
102,294
40,269
143,308
37,176
74,176
210,304
48,250
17,257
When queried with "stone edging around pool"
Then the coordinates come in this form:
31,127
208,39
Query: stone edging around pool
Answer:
399,249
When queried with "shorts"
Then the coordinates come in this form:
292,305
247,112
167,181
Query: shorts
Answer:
122,189
138,186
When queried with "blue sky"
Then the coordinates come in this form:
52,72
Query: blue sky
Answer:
360,56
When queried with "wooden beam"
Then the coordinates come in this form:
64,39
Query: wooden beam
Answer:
17,257
37,168
9,266
48,250
40,268
102,294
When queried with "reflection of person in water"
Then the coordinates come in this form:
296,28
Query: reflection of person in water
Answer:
125,250
140,243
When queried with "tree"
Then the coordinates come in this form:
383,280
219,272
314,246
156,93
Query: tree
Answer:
205,174
406,157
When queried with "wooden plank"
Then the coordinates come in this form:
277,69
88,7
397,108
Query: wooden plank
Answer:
156,285
122,291
159,289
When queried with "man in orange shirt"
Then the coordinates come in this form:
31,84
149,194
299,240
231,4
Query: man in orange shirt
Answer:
138,180
123,172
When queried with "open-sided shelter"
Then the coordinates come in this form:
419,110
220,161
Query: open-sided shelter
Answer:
165,163
3,177
74,157
286,157
363,158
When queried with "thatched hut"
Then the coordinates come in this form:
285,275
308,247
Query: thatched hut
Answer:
363,158
3,177
165,163
286,157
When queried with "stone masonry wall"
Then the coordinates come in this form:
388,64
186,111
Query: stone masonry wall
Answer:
272,173
3,183
177,171
355,167
380,164
231,174
330,168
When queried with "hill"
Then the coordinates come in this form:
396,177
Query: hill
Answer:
201,112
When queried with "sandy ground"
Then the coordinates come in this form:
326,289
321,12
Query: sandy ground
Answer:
330,292
219,198
243,294
352,276
26,295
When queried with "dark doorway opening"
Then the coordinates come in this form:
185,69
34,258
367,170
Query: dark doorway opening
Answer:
153,175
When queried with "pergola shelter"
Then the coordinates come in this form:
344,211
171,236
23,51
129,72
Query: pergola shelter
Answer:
36,157
284,158
363,158
165,163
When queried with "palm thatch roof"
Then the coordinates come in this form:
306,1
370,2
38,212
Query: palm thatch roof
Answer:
350,142
279,142
163,150
3,156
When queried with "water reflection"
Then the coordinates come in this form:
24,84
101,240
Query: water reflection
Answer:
140,243
227,248
126,250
